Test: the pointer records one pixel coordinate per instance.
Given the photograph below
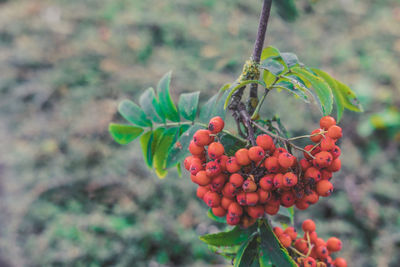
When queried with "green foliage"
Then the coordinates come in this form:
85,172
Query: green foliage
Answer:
166,104
232,237
287,9
188,104
124,134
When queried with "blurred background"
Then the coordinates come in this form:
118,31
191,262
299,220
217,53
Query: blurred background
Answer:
70,196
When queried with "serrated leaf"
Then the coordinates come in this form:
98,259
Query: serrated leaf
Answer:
351,101
180,150
145,142
272,66
133,113
320,87
232,237
268,52
124,134
339,101
214,107
213,217
231,143
226,252
247,253
287,10
271,248
290,59
149,103
164,97
161,152
188,104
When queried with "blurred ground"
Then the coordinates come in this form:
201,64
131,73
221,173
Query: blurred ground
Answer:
69,196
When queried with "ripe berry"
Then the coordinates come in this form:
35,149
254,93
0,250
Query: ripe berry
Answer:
212,199
202,137
334,244
235,209
225,202
216,125
316,136
324,188
335,152
218,183
277,231
302,205
320,242
301,245
201,191
340,262
286,160
271,209
327,144
213,169
309,262
187,162
311,198
289,179
308,226
272,164
335,132
326,175
285,240
323,159
252,198
229,190
322,252
256,153
291,232
263,196
313,236
278,151
232,165
241,198
267,182
247,221
219,211
195,149
232,220
266,142
222,162
287,199
201,178
255,211
326,122
311,149
304,164
215,150
312,174
236,179
335,166
321,264
242,157
278,180
249,186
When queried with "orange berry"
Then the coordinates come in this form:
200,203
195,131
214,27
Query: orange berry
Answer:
291,232
187,162
216,125
334,244
236,179
201,191
265,141
229,190
313,150
272,164
313,236
308,225
241,198
324,188
255,211
309,262
247,221
323,159
327,144
312,197
232,220
219,211
326,175
252,198
322,252
304,164
326,122
267,182
285,240
213,168
302,205
195,149
277,230
286,160
232,165
242,157
222,162
212,199
340,262
263,196
218,182
249,186
320,242
202,137
316,138
335,152
335,166
215,150
321,264
301,245
271,209
312,174
256,153
225,202
335,132
195,166
235,209
287,199
278,180
201,178
289,179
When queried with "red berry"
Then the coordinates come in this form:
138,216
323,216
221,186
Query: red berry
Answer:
272,164
322,252
278,180
232,165
285,240
266,142
335,132
302,205
241,198
301,245
215,150
326,122
201,191
340,262
213,169
320,242
278,231
316,136
304,164
255,211
271,209
212,199
335,166
216,125
327,144
311,198
252,198
222,162
232,220
202,137
195,166
201,178
289,179
326,175
312,174
335,152
308,226
236,179
225,202
219,211
287,199
235,209
334,244
309,262
249,186
218,183
267,182
278,151
229,190
286,160
312,150
187,162
256,153
323,159
291,232
195,149
242,157
324,188
263,196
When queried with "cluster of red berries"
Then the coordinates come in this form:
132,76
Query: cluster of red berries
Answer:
311,250
260,179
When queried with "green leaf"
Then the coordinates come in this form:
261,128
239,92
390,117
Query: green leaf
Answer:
271,248
188,104
247,253
272,66
149,103
227,252
287,10
351,101
292,88
213,217
339,101
231,143
264,260
287,212
232,237
213,107
268,52
133,113
145,142
161,152
236,86
290,59
321,88
124,134
164,97
180,150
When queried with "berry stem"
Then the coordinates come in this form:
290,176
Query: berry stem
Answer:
297,252
309,244
306,136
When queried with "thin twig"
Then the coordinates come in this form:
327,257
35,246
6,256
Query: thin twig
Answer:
306,136
298,252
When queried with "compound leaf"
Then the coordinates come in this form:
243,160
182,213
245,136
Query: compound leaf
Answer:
124,134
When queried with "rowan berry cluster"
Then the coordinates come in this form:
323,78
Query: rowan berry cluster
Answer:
260,179
310,250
